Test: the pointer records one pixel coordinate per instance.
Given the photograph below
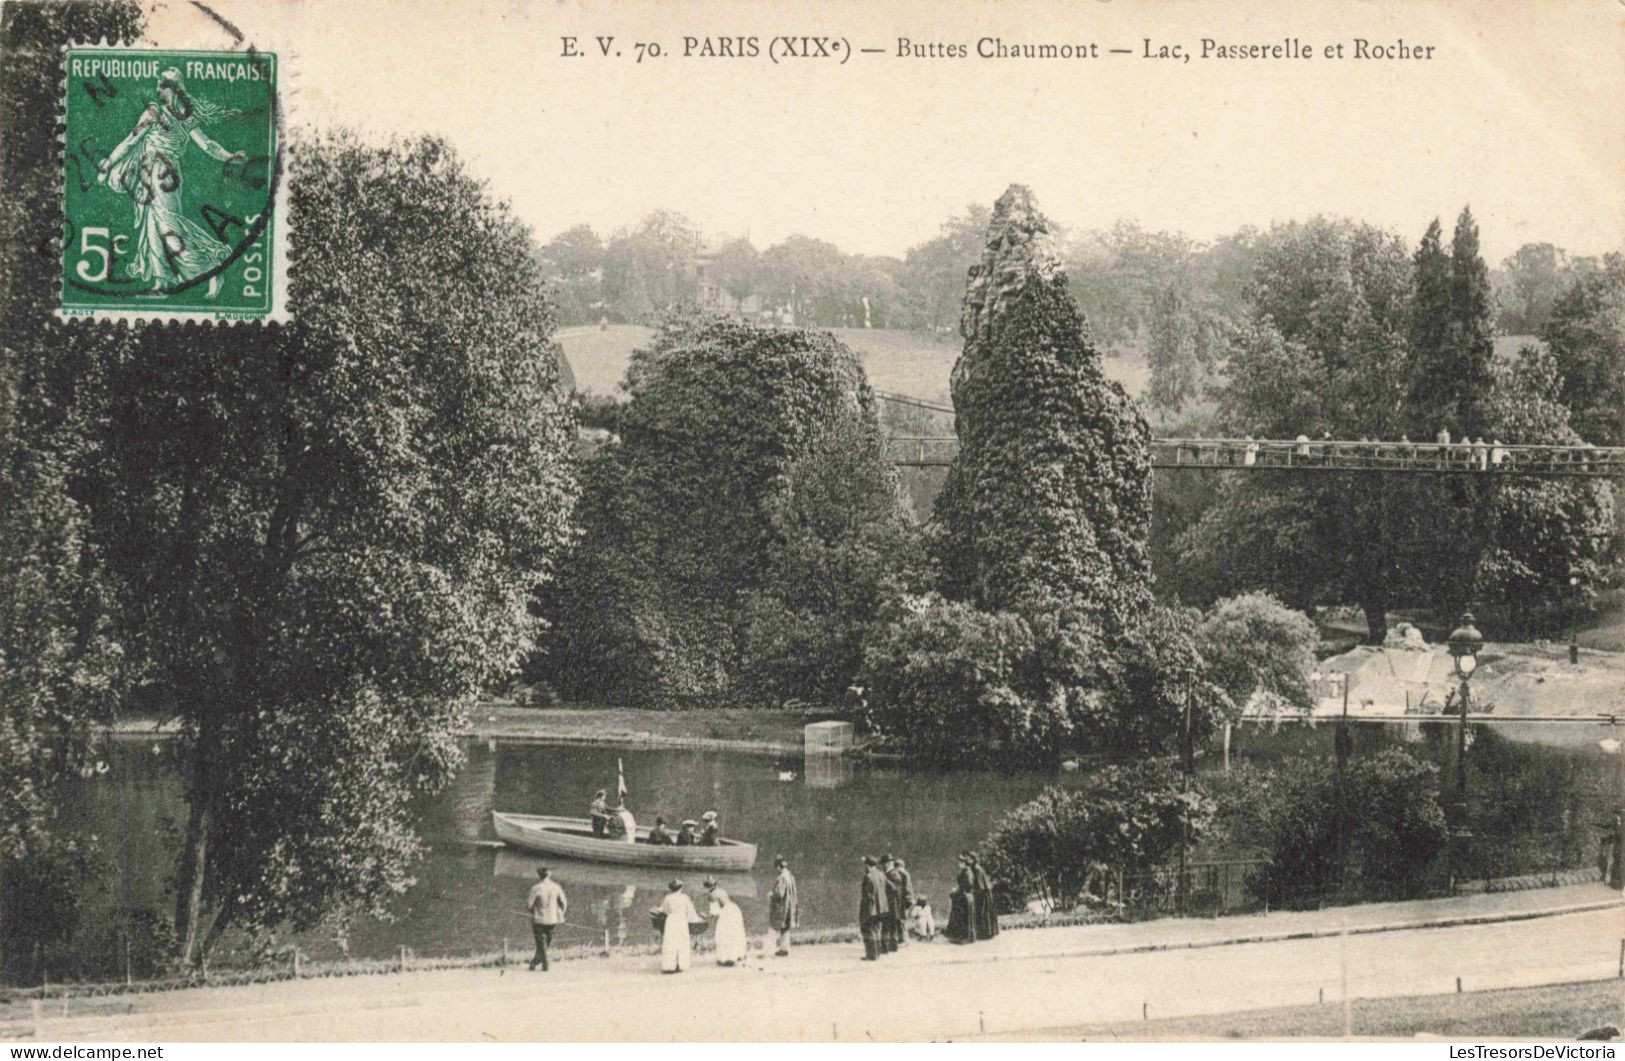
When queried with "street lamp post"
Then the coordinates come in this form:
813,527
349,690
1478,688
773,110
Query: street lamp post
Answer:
1574,616
1464,643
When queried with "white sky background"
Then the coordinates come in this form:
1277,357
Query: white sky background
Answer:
1521,113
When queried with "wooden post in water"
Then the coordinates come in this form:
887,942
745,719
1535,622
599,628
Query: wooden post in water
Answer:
504,952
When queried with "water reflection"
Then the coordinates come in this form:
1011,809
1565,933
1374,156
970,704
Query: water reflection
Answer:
827,771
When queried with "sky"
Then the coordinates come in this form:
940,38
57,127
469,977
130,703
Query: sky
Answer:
1516,113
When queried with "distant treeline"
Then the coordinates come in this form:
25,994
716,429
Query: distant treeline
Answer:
1137,286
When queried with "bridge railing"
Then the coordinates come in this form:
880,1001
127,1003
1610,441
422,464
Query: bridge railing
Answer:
1247,454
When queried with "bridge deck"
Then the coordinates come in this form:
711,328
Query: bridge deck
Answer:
1324,455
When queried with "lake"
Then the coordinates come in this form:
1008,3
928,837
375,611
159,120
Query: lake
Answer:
470,894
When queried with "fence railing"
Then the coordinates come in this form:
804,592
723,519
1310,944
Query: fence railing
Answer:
1216,888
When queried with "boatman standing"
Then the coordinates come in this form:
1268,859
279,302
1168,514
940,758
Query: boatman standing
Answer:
547,908
599,812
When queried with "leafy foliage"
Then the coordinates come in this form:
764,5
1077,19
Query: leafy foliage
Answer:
1128,818
1586,334
42,906
1256,647
735,541
62,667
1324,352
1384,834
330,546
953,683
1542,533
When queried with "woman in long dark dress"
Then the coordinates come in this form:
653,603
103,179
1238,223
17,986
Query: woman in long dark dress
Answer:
987,913
962,906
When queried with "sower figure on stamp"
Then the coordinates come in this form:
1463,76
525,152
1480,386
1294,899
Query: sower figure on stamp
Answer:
872,908
547,909
149,166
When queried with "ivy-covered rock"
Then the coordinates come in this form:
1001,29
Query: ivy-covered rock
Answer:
1050,494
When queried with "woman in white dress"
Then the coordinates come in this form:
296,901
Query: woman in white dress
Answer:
679,911
730,925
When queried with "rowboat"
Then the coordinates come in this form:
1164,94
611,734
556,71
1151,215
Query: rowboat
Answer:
512,863
573,838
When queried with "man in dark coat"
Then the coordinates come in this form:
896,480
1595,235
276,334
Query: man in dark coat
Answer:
783,910
872,908
891,928
901,895
987,914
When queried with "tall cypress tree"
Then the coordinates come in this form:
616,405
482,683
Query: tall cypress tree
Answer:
1472,327
1452,334
1047,504
1429,404
1452,378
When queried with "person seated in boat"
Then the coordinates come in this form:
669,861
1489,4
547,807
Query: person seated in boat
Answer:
711,836
660,834
599,813
622,826
687,837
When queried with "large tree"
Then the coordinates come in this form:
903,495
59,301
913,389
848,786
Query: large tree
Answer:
325,535
60,661
1324,352
933,272
1586,334
1540,533
735,536
1528,285
1452,372
574,261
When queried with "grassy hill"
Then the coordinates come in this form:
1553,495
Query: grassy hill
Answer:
904,362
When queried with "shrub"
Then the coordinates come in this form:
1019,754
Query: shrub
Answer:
950,682
1395,827
1255,646
41,892
1128,818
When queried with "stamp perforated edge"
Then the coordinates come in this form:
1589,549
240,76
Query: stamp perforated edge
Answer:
282,246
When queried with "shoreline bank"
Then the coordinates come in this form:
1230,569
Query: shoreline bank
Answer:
764,732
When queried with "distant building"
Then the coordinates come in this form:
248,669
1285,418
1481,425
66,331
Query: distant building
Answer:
710,294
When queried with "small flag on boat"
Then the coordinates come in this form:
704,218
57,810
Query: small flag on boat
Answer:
620,780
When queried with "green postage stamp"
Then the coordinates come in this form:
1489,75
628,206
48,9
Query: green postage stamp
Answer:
172,185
